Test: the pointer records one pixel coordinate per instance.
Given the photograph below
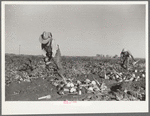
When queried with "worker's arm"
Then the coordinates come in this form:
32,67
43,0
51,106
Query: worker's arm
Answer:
131,55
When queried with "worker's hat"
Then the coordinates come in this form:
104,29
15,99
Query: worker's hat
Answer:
45,37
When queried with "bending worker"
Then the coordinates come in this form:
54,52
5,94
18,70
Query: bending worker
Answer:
125,57
51,51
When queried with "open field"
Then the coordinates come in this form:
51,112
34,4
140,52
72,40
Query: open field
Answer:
26,79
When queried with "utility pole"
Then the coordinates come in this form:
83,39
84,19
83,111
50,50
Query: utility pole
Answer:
19,49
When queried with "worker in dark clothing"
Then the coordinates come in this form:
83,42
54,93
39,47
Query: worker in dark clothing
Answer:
51,51
125,57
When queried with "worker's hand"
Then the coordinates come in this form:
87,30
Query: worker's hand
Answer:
47,63
46,59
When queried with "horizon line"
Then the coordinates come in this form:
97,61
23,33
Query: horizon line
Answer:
69,55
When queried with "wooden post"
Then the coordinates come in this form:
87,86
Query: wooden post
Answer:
19,49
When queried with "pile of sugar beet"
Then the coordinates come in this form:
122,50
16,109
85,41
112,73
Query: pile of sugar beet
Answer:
124,88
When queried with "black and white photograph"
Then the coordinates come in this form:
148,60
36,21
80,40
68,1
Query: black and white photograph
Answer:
74,55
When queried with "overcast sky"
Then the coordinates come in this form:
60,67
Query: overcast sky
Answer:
80,30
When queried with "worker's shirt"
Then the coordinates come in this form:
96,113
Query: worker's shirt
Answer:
53,47
125,54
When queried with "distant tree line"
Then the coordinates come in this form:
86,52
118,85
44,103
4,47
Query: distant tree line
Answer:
106,56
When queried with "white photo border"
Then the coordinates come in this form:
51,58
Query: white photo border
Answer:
58,107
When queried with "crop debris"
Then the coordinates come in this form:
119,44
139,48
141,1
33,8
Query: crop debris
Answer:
88,79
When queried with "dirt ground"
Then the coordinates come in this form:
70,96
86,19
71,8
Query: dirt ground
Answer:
27,80
31,91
